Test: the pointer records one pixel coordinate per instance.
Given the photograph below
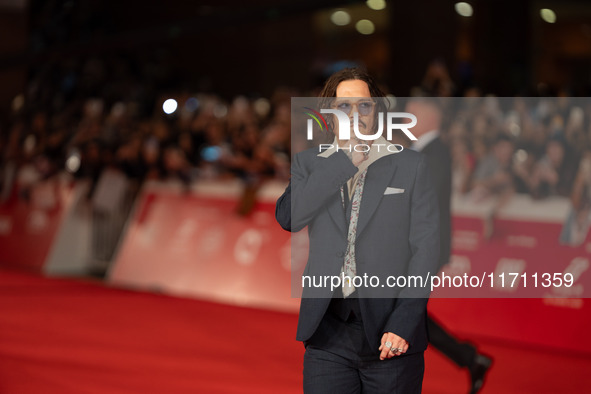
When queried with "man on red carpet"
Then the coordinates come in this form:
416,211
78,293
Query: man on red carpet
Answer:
369,213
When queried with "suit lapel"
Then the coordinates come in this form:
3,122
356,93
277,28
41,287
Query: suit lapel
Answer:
378,177
335,210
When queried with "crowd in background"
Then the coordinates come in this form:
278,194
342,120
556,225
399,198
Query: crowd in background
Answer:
84,118
527,145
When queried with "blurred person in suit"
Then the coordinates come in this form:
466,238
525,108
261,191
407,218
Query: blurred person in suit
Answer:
367,213
429,143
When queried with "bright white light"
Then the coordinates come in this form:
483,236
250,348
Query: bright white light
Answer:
514,129
340,18
376,4
521,155
365,26
548,15
262,107
73,162
464,9
169,106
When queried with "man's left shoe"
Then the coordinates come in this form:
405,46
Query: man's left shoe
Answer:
478,371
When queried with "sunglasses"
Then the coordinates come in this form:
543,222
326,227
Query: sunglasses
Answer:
363,107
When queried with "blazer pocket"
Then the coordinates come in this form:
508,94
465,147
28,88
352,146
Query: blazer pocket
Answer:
393,190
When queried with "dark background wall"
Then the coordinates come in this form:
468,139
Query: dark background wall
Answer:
230,48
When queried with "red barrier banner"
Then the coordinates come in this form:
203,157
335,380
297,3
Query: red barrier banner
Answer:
29,224
521,259
198,245
520,251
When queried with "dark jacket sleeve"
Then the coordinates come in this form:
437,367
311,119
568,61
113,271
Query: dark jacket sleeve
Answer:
283,209
310,187
439,164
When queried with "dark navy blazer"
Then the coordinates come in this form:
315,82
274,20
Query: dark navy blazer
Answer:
397,234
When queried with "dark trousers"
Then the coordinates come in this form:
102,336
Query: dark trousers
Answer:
340,360
461,353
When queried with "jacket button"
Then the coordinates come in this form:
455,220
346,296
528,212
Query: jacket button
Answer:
341,254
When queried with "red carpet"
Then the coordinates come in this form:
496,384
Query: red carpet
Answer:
67,336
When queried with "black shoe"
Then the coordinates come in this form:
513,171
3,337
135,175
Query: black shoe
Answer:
478,371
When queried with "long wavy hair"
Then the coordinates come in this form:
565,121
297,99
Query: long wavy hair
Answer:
329,91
